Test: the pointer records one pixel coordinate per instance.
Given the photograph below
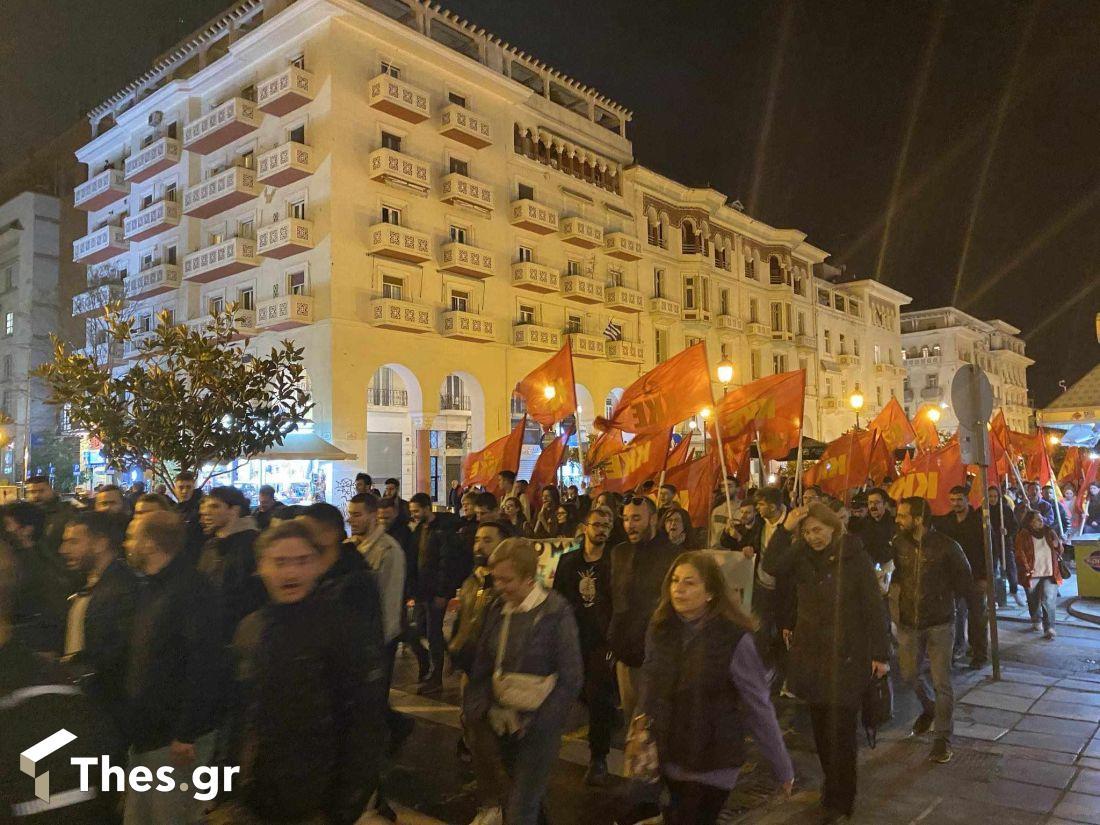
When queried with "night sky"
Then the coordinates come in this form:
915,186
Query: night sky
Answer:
951,148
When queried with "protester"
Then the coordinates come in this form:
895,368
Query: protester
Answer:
454,497
531,633
506,484
188,501
1062,524
42,582
1038,555
268,505
392,491
720,514
566,521
583,577
175,664
931,573
876,528
703,683
638,567
475,596
964,525
109,499
837,637
486,507
227,558
1002,527
153,502
365,484
386,559
512,509
520,492
813,493
677,527
1091,510
546,522
1034,501
57,513
666,497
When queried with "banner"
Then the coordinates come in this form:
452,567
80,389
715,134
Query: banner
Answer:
880,463
738,573
924,430
679,454
694,482
666,395
770,407
545,471
643,458
482,467
842,466
893,427
562,401
1032,448
550,552
931,476
738,453
602,447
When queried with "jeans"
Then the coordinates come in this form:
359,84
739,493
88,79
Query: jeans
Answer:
1041,598
972,622
599,695
430,618
513,772
692,803
835,737
178,807
926,653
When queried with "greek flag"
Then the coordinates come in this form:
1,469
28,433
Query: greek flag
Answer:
613,332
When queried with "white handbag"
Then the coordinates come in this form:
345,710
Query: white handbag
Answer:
524,692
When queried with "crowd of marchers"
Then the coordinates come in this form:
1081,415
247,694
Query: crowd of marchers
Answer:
196,630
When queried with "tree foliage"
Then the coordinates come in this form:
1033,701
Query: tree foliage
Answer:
194,396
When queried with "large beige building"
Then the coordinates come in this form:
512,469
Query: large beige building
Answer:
431,213
938,341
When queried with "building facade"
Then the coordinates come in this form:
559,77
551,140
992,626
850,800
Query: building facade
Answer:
431,213
938,341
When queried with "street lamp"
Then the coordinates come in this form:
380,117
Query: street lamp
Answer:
725,374
855,401
1054,440
704,414
934,414
549,392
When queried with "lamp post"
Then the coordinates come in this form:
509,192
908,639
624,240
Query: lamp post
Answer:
725,374
704,414
934,415
855,401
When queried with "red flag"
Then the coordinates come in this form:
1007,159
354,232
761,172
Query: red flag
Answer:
931,476
843,464
737,453
643,458
679,454
694,482
1072,465
906,464
482,467
894,428
1032,448
880,461
602,447
669,393
556,373
924,430
546,468
770,407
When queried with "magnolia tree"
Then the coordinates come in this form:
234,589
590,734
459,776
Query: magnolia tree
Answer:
194,397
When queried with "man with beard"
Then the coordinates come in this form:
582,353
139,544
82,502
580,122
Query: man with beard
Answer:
964,525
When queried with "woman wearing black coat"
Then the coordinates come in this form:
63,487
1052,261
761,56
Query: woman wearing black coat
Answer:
839,639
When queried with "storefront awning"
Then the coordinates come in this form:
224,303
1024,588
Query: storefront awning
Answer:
305,447
1082,435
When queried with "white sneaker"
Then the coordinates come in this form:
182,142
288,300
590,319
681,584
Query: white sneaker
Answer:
1036,626
1049,635
489,816
1020,600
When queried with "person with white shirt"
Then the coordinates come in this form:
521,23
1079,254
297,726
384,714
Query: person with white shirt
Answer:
1038,557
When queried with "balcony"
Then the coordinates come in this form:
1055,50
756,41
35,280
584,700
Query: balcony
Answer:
828,403
153,281
135,347
757,330
152,220
156,157
395,97
884,369
622,246
625,352
285,238
398,169
460,190
535,277
463,259
533,336
931,393
244,324
805,342
285,164
92,301
222,191
582,233
623,299
221,126
103,355
730,323
393,241
454,403
926,361
534,217
101,190
377,397
587,346
220,260
100,245
848,360
466,326
695,315
664,308
404,316
285,312
286,91
459,123
582,289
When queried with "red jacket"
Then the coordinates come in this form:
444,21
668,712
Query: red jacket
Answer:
1025,555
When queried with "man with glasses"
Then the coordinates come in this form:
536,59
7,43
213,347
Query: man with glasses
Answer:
584,578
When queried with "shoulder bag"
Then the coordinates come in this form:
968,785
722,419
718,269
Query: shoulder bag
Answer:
524,692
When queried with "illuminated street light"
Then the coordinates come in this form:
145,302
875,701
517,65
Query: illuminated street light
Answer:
549,392
934,415
1054,440
725,372
705,413
855,401
691,424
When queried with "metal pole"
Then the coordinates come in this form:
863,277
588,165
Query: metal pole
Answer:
994,647
798,461
1004,569
725,473
760,458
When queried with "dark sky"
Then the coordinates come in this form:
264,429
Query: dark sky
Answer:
994,105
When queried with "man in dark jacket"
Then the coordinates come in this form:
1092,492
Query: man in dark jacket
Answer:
964,525
188,500
442,564
638,568
173,678
58,513
227,557
876,529
97,637
930,572
42,583
307,726
1002,530
268,506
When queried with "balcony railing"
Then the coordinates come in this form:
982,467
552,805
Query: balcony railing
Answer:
534,336
285,312
805,342
587,346
461,190
623,299
100,245
463,259
285,238
466,326
402,243
925,361
404,316
286,91
459,123
622,246
582,289
582,233
285,164
220,260
535,277
156,157
230,187
729,322
534,217
222,125
625,352
387,398
931,393
664,308
398,98
154,219
848,360
153,281
104,354
101,190
398,169
92,301
756,330
454,402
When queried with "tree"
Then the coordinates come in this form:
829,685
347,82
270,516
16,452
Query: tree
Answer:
194,398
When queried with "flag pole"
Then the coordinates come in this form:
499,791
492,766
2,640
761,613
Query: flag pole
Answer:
760,458
798,461
725,473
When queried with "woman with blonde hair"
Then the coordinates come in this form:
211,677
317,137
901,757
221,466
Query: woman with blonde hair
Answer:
703,688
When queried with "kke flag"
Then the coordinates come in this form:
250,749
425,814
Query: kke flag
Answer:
483,466
546,468
931,475
548,407
843,464
924,430
679,454
694,482
770,407
643,458
893,427
737,452
666,395
602,447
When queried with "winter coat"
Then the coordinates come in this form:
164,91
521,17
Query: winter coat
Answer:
968,534
637,573
876,536
443,562
927,578
1025,555
386,560
229,562
42,587
840,625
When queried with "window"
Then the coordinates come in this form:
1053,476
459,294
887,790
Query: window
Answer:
931,381
801,323
459,166
392,287
7,366
658,283
246,297
779,363
170,192
216,304
775,274
144,323
147,199
391,215
391,141
828,387
876,355
9,323
390,69
843,344
460,301
724,302
296,283
573,323
855,346
777,316
299,62
689,293
838,303
525,192
754,364
750,269
721,258
246,229
297,134
754,311
147,261
458,234
823,298
169,255
690,342
7,401
246,159
572,267
526,314
523,254
878,395
458,100
656,234
249,93
828,342
660,345
297,209
614,277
